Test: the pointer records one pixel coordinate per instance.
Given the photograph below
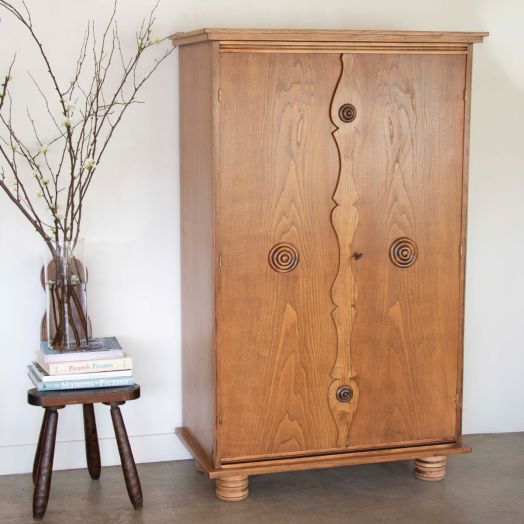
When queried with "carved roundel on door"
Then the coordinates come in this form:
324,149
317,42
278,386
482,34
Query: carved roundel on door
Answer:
344,393
403,252
347,113
283,257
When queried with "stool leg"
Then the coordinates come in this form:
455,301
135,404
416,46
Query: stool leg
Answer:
126,456
38,453
91,438
45,467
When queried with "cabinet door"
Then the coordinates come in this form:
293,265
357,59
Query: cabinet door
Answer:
278,169
325,341
407,169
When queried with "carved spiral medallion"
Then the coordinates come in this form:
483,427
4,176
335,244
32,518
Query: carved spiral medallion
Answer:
347,112
283,257
344,394
403,252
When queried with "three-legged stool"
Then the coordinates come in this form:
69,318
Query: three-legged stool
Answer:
52,401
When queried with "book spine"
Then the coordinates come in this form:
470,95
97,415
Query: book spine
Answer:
60,385
87,366
83,356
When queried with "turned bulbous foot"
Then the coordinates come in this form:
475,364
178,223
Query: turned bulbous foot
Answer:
232,489
430,468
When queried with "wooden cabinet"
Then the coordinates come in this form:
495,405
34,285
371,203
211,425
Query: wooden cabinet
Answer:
323,197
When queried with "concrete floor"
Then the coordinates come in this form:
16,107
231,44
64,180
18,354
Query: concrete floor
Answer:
482,488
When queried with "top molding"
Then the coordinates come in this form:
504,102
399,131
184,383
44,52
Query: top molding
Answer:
324,35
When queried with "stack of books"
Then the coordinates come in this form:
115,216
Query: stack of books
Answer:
104,364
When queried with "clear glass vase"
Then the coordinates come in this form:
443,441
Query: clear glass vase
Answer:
66,291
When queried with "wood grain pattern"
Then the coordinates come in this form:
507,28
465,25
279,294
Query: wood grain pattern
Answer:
82,396
430,468
341,47
322,35
233,488
276,338
52,401
134,489
193,446
94,465
463,243
38,453
346,458
408,173
197,96
45,465
270,337
344,217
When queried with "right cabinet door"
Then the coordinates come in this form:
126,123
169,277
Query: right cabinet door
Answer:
401,152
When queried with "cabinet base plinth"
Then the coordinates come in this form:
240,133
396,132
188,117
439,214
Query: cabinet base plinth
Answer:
430,468
232,489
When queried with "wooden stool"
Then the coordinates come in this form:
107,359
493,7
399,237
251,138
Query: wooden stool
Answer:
52,401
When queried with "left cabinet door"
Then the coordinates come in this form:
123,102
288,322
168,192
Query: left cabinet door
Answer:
276,340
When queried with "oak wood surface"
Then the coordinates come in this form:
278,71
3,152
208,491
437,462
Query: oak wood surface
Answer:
197,241
194,447
340,459
82,396
407,182
233,488
319,35
320,255
430,468
278,170
407,166
463,244
344,219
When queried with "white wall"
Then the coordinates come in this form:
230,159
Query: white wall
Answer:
132,223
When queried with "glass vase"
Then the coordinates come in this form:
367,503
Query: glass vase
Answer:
66,291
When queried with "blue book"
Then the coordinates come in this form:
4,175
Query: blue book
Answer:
62,385
99,348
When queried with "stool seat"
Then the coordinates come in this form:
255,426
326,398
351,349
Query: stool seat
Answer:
82,396
52,401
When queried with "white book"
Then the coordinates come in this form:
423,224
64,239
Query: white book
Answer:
42,376
84,366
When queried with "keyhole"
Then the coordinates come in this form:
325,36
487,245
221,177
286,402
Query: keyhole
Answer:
356,256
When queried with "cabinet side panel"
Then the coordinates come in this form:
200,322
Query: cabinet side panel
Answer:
197,243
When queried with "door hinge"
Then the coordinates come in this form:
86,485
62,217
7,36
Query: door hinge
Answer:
220,260
220,418
219,94
461,251
465,94
456,397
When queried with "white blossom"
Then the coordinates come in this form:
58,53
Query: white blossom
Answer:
40,194
66,122
89,164
44,148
